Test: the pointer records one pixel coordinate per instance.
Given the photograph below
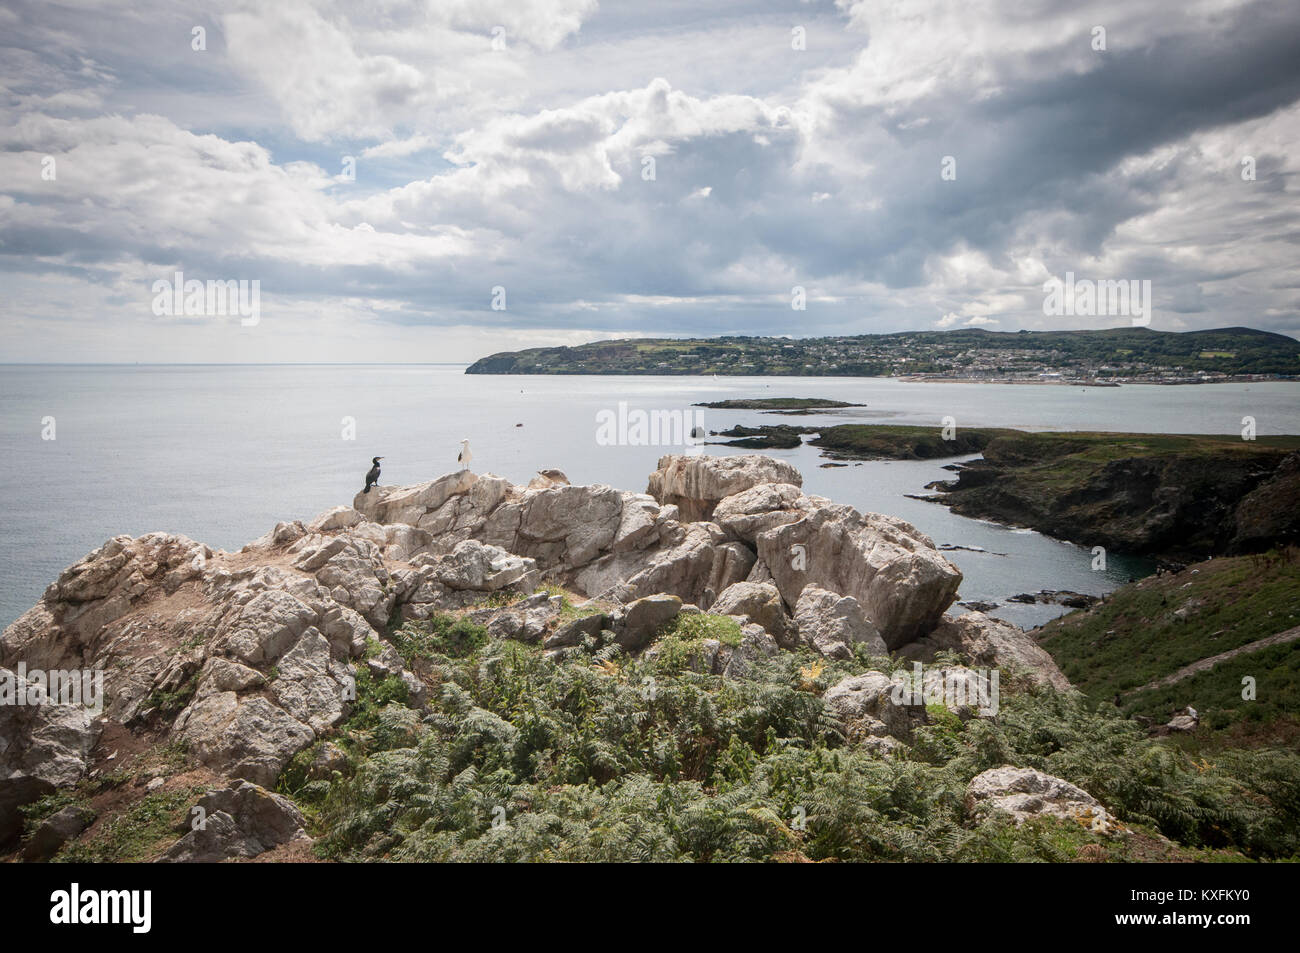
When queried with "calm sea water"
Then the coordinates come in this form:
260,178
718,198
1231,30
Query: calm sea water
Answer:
221,453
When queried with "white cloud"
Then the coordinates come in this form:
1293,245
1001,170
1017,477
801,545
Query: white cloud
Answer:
397,148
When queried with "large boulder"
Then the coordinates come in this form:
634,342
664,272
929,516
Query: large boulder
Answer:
43,746
871,705
901,580
526,621
55,831
991,643
756,602
339,517
641,522
696,483
244,820
1023,793
560,526
694,562
246,738
474,566
746,514
408,504
464,515
636,623
832,624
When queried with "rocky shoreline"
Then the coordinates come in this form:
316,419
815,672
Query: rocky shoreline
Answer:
246,660
1177,498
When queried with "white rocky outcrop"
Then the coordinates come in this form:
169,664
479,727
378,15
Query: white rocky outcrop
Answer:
870,705
696,483
43,746
756,602
1023,793
832,624
902,582
990,643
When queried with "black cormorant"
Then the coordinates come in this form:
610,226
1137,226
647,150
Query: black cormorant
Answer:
372,477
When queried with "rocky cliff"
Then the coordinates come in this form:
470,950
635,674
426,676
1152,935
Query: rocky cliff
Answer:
1182,497
245,660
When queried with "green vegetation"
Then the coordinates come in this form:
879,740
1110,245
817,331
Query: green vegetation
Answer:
602,757
1130,353
683,639
1148,631
882,442
443,636
171,704
1217,694
40,810
137,834
865,441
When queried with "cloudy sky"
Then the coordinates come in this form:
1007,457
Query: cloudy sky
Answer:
510,143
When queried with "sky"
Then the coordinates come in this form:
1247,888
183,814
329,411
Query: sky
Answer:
441,180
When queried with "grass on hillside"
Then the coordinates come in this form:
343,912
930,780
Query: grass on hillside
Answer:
1217,693
1151,629
1071,449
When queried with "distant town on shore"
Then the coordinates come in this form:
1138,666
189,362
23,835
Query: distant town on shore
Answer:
1113,355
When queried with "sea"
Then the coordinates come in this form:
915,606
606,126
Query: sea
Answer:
220,453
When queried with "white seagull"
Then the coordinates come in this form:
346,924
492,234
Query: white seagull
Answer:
464,457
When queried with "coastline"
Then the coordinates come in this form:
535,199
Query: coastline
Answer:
939,379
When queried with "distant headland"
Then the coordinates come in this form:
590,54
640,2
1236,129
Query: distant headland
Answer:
1111,355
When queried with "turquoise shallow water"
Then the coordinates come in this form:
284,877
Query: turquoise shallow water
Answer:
221,453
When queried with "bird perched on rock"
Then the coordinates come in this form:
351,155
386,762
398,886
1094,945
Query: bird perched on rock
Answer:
464,457
373,476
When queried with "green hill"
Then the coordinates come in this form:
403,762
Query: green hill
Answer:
1153,630
1102,353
